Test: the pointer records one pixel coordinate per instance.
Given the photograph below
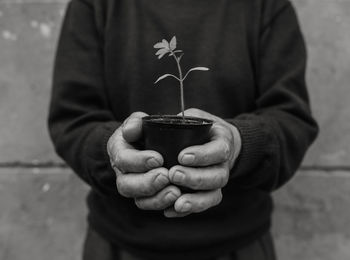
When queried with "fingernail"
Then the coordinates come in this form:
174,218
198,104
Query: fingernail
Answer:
187,159
170,196
178,177
186,207
153,163
162,180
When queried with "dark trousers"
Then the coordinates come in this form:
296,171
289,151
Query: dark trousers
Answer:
97,248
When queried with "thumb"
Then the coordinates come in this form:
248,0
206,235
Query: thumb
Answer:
132,127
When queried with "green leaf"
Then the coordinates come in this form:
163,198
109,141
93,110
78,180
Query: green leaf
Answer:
165,76
159,45
162,51
166,43
173,43
196,68
200,68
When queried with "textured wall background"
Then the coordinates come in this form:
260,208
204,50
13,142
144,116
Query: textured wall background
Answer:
41,211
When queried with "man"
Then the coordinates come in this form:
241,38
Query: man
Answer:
255,93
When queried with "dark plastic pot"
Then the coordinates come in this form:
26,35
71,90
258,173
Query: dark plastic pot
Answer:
169,135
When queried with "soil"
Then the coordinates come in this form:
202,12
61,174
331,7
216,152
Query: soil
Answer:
178,120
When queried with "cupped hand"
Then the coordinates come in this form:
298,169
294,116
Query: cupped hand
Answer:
139,173
205,168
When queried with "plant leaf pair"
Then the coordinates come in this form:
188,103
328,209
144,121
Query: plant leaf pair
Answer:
165,47
165,76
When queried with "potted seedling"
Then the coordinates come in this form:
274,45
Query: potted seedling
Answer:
170,134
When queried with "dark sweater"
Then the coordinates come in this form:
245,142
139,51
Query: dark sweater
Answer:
105,69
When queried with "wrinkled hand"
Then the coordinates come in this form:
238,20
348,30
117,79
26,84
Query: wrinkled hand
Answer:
139,173
205,168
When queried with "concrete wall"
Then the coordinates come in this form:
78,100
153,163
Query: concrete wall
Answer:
41,211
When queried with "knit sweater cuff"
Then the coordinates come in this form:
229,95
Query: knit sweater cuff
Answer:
97,164
254,145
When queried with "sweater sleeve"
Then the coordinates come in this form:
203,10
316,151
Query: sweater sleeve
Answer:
277,134
80,120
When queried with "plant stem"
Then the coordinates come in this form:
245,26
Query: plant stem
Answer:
181,85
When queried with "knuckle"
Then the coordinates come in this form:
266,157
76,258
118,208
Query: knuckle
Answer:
117,171
117,160
113,165
230,136
218,128
116,163
122,187
113,158
226,150
197,183
111,143
119,164
223,177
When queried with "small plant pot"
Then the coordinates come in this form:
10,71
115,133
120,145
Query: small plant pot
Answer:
169,135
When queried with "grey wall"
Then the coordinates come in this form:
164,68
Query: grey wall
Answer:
42,214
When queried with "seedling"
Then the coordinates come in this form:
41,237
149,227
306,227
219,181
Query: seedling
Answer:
170,47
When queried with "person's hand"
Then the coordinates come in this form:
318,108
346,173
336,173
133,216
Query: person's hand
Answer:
205,168
139,173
